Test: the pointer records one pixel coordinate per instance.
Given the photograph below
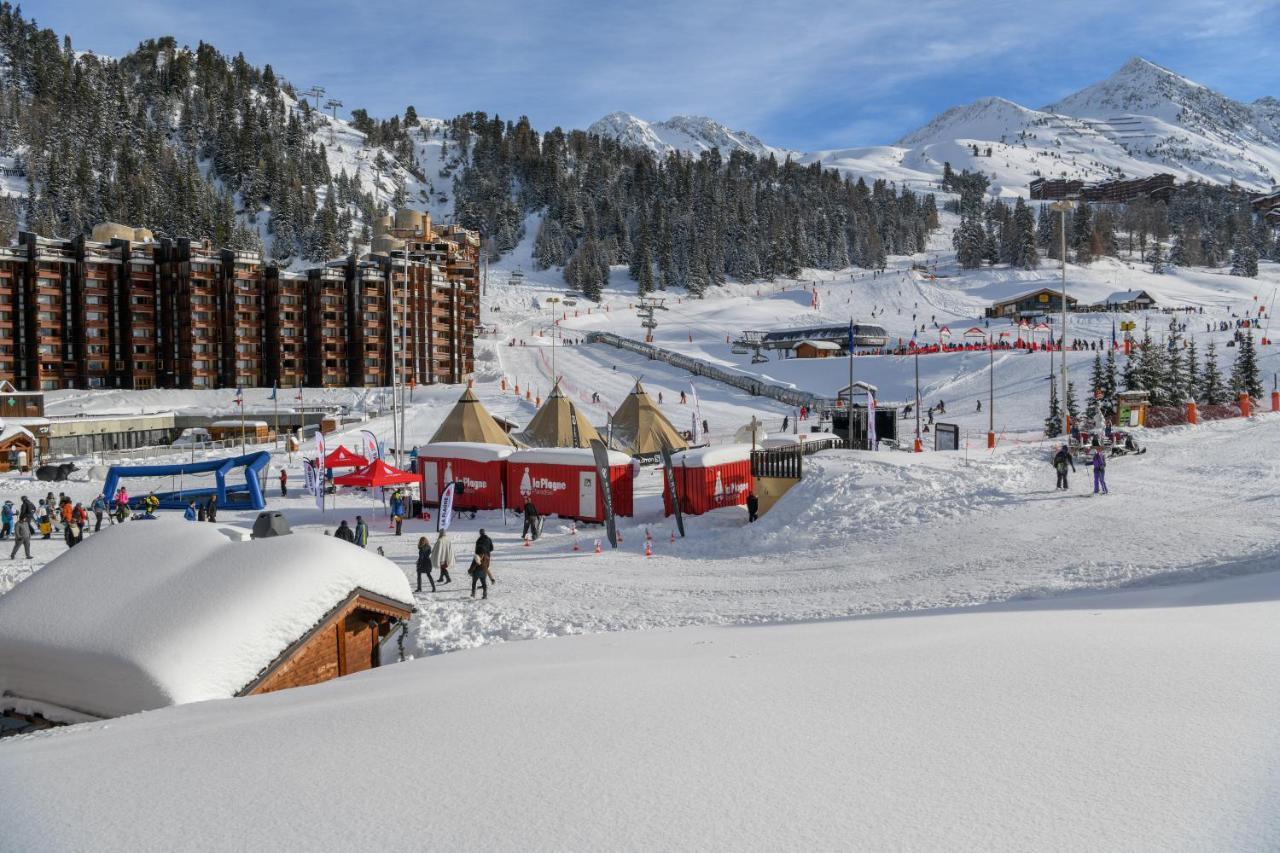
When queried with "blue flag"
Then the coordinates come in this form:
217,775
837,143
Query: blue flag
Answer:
850,336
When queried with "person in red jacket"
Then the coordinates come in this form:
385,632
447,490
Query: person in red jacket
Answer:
284,483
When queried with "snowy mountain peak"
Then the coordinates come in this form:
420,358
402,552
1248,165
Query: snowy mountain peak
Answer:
687,134
985,118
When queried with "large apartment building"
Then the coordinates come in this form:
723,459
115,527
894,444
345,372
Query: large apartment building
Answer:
125,310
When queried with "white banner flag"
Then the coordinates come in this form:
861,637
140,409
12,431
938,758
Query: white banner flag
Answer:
371,450
446,508
871,419
696,432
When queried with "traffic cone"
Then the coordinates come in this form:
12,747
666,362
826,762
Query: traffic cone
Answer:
527,543
648,549
648,537
673,536
597,546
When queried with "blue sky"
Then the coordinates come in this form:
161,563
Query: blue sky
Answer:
818,74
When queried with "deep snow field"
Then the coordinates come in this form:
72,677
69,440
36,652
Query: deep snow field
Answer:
909,651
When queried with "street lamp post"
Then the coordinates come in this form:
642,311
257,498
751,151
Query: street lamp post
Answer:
552,301
991,397
1062,207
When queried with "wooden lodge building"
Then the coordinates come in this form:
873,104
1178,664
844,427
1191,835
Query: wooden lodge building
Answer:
127,310
172,612
1045,300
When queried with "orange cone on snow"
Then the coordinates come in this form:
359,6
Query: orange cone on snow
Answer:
648,549
597,546
673,536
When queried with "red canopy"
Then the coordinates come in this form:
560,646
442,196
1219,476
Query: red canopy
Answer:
375,475
343,458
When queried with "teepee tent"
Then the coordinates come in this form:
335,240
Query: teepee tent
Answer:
471,421
559,423
640,429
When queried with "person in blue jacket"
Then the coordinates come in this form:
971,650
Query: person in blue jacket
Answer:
6,520
190,513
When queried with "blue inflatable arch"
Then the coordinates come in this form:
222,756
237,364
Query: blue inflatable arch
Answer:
247,496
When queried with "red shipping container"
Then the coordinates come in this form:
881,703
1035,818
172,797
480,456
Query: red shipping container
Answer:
710,478
562,481
481,468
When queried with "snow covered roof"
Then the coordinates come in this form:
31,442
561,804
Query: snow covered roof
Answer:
164,612
237,423
706,457
10,430
780,441
1121,297
822,345
580,456
473,451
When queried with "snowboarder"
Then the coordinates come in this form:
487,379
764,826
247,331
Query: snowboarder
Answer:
530,520
22,536
1099,472
753,507
1061,460
344,532
361,533
424,563
284,483
442,555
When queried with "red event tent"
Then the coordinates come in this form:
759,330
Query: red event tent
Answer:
343,458
376,475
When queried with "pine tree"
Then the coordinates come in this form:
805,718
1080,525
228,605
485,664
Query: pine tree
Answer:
1157,259
1097,387
1025,254
1053,423
1245,378
1212,391
1110,385
1175,375
1082,238
1073,405
1193,371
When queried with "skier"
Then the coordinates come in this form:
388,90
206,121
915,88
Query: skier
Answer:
99,507
530,520
753,507
424,563
1099,471
22,535
442,555
362,533
344,532
1061,460
284,483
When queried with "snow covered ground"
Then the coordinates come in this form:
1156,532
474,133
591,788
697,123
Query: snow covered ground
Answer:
1137,721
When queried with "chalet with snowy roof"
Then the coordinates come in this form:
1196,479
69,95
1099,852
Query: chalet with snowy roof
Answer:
1267,205
1044,300
167,612
1127,300
815,349
17,447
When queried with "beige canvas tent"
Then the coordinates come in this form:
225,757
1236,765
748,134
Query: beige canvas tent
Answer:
471,421
559,423
640,429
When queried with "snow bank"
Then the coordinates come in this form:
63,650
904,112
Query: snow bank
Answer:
1130,721
163,612
578,456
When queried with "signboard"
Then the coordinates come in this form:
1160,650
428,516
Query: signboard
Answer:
1128,325
446,509
669,472
946,437
601,454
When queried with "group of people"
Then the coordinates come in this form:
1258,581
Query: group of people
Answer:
48,516
434,556
1063,461
195,511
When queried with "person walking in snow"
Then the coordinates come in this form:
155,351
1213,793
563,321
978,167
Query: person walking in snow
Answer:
6,520
99,507
1099,471
211,509
361,533
344,532
530,520
1061,460
753,507
484,550
284,483
424,563
22,536
442,555
190,512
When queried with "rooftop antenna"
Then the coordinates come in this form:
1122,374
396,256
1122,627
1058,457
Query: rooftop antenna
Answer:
333,104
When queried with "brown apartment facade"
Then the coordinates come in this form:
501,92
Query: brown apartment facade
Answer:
130,311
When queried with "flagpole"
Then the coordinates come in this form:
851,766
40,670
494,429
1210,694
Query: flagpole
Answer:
849,404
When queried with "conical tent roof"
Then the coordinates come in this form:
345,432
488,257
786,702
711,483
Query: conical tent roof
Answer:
640,429
471,421
559,423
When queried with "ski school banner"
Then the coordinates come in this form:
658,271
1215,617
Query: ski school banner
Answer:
670,474
310,481
371,448
446,508
601,454
871,419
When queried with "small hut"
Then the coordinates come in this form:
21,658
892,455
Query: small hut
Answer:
470,421
559,423
169,612
17,447
640,428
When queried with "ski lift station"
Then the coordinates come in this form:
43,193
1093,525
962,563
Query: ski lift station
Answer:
868,335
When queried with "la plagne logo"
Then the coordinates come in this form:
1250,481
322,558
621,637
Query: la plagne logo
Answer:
529,485
727,493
